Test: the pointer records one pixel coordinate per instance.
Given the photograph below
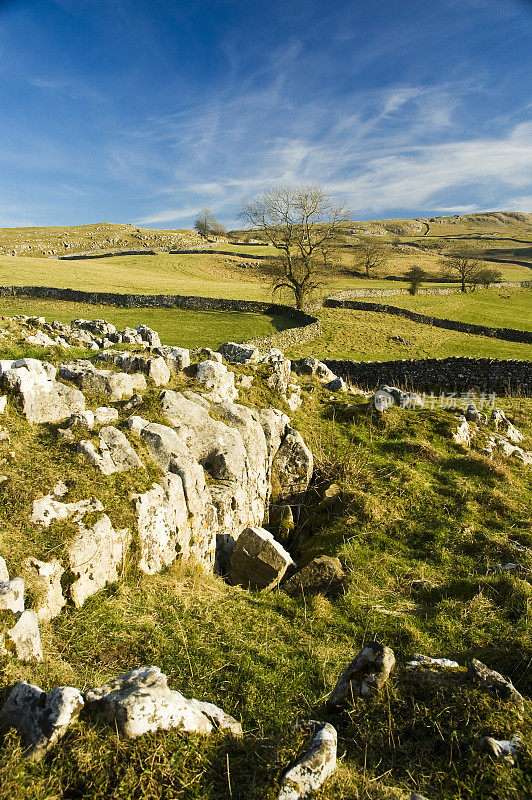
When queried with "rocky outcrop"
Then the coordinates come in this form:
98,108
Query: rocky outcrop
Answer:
114,385
140,702
94,558
162,525
48,509
293,465
313,768
43,399
41,718
217,380
44,578
240,353
258,561
153,366
116,454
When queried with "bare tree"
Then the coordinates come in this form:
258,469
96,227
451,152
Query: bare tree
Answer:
462,260
206,223
371,254
304,225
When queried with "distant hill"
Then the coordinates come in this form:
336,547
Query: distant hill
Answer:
486,223
496,227
104,236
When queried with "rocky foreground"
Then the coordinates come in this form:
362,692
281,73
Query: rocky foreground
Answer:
222,471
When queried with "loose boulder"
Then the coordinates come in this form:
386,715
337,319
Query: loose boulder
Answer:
140,702
494,682
313,768
323,575
365,675
40,717
258,561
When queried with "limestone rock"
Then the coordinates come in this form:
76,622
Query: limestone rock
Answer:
280,376
23,640
220,720
105,414
323,575
365,675
293,464
148,335
94,558
172,455
83,419
162,520
176,358
462,434
4,574
493,681
218,381
502,749
116,454
47,509
239,353
12,595
419,661
42,398
311,366
140,702
293,396
44,578
115,385
383,400
40,717
258,561
3,403
315,765
274,425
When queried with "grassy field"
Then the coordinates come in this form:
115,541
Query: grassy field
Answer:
500,308
175,326
204,275
366,336
414,506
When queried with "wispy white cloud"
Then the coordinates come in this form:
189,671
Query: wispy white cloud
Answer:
168,215
457,209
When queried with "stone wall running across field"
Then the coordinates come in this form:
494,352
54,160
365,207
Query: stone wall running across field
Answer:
368,292
508,334
458,374
305,325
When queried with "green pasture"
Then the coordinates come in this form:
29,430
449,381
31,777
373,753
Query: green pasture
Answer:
499,308
367,336
203,275
175,326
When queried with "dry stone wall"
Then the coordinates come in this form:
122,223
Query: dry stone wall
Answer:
456,374
508,334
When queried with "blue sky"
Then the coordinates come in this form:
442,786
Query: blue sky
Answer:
146,111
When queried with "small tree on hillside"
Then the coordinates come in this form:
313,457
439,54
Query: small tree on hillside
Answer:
415,276
304,225
371,254
206,224
462,260
486,276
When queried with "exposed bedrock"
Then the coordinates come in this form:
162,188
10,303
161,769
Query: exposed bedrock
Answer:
225,455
